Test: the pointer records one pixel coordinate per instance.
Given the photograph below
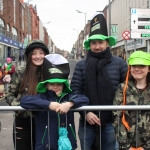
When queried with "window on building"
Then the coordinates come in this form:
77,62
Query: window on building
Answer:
14,34
2,27
8,31
1,7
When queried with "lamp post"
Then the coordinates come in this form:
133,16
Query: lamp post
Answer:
109,18
78,11
47,22
75,51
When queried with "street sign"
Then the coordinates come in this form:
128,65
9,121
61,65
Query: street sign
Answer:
140,23
126,35
114,31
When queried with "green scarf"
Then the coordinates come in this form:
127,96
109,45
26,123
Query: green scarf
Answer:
8,67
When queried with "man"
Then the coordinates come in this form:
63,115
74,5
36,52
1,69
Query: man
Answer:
97,77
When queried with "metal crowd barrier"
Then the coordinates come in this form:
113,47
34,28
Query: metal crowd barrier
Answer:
84,108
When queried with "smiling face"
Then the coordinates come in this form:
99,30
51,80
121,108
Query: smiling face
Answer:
139,72
38,56
56,87
98,45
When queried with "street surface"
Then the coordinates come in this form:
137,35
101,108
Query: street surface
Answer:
6,119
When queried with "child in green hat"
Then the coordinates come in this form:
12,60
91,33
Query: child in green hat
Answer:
132,129
55,97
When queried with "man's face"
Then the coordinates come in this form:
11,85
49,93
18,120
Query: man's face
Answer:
98,45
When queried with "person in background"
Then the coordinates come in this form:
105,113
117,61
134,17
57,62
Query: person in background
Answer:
54,96
120,55
24,82
13,58
132,130
20,59
9,69
98,76
2,74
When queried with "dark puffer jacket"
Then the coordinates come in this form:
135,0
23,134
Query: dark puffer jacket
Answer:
116,69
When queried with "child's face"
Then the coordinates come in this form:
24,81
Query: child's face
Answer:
9,61
139,72
56,87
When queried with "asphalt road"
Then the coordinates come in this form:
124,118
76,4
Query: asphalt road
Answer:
6,121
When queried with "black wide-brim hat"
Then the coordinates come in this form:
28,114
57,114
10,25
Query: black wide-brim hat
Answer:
98,31
36,44
56,70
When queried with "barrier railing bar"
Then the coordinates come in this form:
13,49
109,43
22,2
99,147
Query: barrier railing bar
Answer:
108,107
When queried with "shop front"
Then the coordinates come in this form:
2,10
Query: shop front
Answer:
9,48
135,45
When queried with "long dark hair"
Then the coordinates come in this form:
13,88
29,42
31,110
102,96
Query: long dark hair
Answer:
32,76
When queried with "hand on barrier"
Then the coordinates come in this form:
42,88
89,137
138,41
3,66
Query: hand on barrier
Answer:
92,119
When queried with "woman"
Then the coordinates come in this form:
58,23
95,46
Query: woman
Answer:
24,82
132,127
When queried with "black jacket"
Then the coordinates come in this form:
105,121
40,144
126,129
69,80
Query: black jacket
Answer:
116,69
42,101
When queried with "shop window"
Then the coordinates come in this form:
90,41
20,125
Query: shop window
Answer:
14,34
1,51
8,31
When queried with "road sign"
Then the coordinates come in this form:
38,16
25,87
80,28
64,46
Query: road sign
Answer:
126,35
114,31
140,23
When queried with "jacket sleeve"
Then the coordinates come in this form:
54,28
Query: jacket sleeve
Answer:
124,69
120,130
118,99
12,97
77,79
79,100
12,70
34,102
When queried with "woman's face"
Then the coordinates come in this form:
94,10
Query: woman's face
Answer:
38,56
56,87
139,72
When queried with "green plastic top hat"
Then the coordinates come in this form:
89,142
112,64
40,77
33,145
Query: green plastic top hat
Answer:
139,58
98,31
56,70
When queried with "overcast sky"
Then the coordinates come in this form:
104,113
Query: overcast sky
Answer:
64,18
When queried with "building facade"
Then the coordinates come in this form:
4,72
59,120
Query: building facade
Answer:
121,17
12,31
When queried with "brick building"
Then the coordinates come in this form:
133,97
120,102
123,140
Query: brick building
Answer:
12,20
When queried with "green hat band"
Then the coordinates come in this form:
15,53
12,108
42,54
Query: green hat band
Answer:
41,87
112,40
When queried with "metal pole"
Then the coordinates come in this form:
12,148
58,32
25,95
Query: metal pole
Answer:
85,19
109,18
126,51
83,53
134,45
77,47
